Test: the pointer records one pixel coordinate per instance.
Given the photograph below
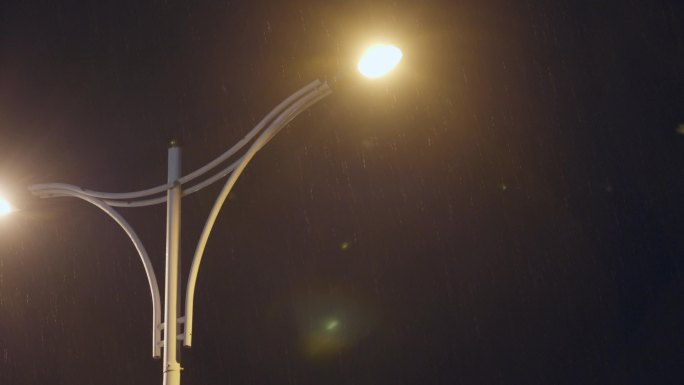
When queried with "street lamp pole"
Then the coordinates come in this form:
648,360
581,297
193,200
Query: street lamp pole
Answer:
172,367
166,334
379,60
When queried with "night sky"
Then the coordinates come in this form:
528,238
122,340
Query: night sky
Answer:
505,208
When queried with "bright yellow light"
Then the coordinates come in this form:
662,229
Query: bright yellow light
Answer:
379,60
5,207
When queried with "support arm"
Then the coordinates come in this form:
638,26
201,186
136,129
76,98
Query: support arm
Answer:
147,264
283,119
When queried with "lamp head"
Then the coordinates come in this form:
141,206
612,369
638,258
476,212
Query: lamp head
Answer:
5,207
379,60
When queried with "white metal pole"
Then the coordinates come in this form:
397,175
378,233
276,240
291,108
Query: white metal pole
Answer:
172,367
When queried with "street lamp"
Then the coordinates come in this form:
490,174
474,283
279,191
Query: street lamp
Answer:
167,332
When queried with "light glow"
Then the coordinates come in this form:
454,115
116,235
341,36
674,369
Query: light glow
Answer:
379,60
5,207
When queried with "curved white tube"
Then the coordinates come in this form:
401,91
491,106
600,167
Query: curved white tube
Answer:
200,171
201,244
147,264
282,120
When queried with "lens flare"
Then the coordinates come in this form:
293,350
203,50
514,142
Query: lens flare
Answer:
379,60
331,325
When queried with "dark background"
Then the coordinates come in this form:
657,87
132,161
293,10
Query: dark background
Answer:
504,209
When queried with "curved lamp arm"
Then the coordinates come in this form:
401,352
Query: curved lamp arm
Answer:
110,198
147,264
282,120
266,136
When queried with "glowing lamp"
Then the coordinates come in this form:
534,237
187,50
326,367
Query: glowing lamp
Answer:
5,207
379,60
